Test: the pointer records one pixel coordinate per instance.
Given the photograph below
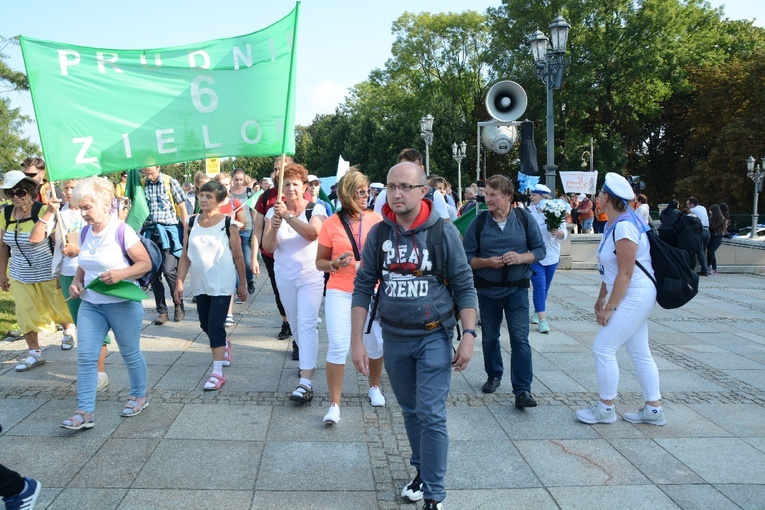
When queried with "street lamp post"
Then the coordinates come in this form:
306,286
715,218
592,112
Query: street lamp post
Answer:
458,153
426,132
550,61
755,173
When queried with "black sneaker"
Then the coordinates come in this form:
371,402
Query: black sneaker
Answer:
286,332
251,288
524,399
413,490
295,351
432,504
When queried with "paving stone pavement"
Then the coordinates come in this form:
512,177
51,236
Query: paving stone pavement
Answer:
247,446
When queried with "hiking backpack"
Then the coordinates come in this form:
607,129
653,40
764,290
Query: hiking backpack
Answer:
155,253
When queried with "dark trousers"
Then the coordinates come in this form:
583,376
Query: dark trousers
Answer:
212,317
703,252
714,242
269,262
170,270
599,226
11,483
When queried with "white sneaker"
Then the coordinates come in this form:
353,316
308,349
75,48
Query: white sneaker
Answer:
67,341
333,415
596,414
654,417
376,397
103,381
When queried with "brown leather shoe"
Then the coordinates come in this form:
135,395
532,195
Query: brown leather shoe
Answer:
178,313
161,319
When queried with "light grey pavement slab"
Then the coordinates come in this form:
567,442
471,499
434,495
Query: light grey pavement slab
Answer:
248,447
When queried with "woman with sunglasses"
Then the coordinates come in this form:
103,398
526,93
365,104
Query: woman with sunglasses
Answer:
341,240
29,278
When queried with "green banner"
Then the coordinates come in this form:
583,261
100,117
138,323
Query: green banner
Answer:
104,110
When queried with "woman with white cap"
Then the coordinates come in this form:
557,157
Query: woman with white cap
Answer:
626,299
544,270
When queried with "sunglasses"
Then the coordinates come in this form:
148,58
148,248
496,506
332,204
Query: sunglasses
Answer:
18,193
362,192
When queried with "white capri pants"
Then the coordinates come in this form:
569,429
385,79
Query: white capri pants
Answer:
629,326
301,299
337,312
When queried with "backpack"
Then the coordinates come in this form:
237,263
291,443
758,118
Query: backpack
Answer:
480,220
155,253
35,215
435,249
676,282
227,224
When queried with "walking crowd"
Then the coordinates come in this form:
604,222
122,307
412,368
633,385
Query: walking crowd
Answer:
396,277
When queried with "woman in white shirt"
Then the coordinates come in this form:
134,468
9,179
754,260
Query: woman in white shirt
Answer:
102,256
627,296
292,236
212,252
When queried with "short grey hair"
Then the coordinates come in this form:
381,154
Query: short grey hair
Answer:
100,189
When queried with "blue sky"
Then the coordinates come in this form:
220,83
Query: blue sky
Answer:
339,41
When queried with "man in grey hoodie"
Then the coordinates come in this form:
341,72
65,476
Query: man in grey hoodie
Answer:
415,309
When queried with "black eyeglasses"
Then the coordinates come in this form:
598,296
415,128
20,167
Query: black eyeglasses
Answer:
403,187
18,193
362,192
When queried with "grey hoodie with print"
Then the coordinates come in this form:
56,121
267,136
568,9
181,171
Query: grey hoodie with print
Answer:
406,298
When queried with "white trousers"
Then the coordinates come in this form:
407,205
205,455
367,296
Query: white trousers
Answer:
337,312
629,326
301,299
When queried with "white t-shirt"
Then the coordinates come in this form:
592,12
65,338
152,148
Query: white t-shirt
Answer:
701,212
643,212
438,203
607,264
295,256
552,244
212,267
101,252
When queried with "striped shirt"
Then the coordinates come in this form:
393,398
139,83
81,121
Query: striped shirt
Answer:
30,263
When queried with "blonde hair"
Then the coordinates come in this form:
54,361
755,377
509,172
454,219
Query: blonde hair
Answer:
346,190
100,189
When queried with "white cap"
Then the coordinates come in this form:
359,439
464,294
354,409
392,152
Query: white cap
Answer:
312,178
582,196
541,189
377,185
268,180
10,179
618,185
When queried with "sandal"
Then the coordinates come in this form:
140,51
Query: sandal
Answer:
80,420
302,397
134,406
216,381
67,341
32,361
227,359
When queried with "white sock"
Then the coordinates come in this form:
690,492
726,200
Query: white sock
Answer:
305,382
652,409
35,352
604,407
217,367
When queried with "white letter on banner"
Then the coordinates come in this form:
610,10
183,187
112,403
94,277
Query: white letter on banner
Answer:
206,136
162,141
64,62
205,59
112,59
239,55
86,142
126,141
244,132
197,93
157,61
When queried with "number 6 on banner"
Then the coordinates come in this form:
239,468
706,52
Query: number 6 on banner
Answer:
197,93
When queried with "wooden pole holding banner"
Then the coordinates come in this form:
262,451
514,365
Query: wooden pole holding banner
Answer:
280,185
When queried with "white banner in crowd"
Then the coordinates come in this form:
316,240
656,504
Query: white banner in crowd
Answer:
579,182
342,167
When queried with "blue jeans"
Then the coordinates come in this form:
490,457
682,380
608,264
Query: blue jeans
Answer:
93,323
587,224
420,373
515,307
541,279
247,252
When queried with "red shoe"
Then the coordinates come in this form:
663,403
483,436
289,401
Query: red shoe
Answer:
214,382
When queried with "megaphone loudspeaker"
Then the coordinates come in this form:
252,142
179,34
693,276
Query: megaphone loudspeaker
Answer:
506,101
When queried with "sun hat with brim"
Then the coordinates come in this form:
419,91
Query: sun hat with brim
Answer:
10,180
313,178
618,186
377,185
541,189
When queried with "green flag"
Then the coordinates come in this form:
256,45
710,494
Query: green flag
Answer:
104,110
467,218
325,197
254,199
123,289
139,207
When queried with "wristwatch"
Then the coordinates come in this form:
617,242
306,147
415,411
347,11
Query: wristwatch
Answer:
289,217
471,331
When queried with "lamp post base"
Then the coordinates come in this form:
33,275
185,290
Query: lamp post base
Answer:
550,177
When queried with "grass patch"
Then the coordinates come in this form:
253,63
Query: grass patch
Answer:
7,313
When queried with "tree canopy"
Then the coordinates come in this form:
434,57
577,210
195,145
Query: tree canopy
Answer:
14,147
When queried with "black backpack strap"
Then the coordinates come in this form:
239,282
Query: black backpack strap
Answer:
227,226
383,232
436,247
480,222
192,218
309,210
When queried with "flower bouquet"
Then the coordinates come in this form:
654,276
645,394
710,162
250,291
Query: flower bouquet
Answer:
555,212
